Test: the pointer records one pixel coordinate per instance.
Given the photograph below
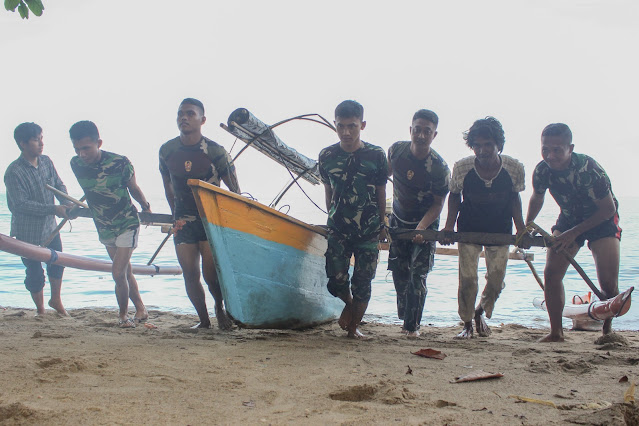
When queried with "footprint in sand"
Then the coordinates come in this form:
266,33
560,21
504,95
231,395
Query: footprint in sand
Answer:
15,412
386,392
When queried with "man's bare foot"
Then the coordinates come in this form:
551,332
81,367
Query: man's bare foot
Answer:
356,334
223,320
57,305
607,326
412,334
345,317
202,325
482,328
467,332
551,338
40,313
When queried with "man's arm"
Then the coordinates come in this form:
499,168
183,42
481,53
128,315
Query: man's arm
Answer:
517,214
454,204
534,206
605,210
380,192
328,196
168,192
231,182
432,213
137,194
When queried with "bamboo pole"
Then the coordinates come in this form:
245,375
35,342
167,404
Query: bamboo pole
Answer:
549,238
483,238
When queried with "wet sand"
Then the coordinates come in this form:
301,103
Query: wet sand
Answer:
86,370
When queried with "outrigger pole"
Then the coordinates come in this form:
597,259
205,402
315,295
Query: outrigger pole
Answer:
253,132
549,238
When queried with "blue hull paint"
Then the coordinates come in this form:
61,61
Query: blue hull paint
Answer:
270,285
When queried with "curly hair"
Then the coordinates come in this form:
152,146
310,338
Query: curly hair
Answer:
487,128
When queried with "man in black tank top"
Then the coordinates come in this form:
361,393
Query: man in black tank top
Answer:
484,197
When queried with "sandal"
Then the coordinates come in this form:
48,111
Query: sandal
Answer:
127,323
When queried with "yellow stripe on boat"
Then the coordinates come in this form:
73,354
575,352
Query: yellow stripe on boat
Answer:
251,217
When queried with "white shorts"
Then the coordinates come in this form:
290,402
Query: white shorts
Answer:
128,239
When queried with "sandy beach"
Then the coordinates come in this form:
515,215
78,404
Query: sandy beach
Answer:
86,370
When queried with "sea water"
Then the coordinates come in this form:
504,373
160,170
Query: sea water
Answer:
96,289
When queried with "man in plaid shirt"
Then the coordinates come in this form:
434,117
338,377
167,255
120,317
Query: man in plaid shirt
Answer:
33,208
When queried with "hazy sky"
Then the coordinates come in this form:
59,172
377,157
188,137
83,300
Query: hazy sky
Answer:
127,65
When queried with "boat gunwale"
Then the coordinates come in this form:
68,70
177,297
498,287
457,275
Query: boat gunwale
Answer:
196,183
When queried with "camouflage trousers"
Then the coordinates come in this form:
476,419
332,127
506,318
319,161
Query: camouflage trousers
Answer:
338,258
496,260
410,264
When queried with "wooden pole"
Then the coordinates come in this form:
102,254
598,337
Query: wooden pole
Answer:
58,228
469,237
66,196
549,238
160,247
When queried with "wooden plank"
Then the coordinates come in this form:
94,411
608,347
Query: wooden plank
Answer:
449,251
483,238
155,219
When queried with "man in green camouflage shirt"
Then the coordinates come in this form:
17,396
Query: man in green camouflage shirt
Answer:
589,211
107,179
354,175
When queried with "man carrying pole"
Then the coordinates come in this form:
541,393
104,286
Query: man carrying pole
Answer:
589,211
33,211
420,185
489,183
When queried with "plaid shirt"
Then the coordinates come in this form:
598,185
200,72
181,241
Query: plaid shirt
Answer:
32,205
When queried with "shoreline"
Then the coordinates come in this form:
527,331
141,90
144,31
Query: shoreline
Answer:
86,370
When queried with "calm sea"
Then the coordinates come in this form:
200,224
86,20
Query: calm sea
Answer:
95,289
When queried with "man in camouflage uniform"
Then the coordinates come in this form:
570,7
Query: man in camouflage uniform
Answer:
420,185
193,156
588,211
108,181
354,175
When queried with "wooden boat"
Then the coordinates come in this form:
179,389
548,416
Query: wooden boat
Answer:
43,254
586,316
270,265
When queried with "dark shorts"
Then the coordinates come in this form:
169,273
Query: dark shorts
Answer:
34,280
191,233
609,228
338,257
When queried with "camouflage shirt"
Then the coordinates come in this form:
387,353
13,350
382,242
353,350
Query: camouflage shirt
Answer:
353,177
575,189
416,182
105,185
206,161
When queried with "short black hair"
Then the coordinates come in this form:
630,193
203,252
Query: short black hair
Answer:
25,131
558,129
83,129
193,101
487,128
350,109
427,115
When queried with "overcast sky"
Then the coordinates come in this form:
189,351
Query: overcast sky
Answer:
127,64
